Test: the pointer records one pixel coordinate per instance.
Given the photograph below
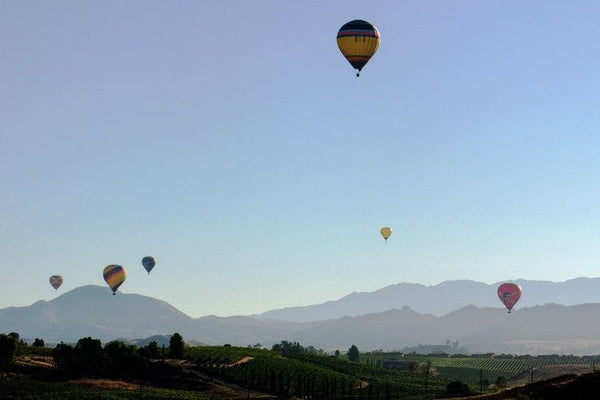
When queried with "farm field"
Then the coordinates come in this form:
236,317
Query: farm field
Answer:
221,372
226,372
516,369
310,375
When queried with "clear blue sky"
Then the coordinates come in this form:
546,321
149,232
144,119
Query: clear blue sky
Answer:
232,141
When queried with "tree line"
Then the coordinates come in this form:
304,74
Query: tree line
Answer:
287,348
92,359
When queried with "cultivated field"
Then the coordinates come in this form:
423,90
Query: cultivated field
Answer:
226,372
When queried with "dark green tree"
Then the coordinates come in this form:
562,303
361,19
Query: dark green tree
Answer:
117,349
151,351
8,350
19,342
176,345
288,348
62,355
353,353
88,358
38,343
125,360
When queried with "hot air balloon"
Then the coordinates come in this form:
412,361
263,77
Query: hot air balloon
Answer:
56,281
509,293
358,41
148,263
114,275
386,232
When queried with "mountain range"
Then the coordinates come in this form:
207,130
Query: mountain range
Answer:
390,319
441,299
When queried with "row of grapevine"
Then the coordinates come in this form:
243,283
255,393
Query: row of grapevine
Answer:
505,365
311,376
402,384
221,355
477,369
286,377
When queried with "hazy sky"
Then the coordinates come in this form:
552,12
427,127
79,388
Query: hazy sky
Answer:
232,141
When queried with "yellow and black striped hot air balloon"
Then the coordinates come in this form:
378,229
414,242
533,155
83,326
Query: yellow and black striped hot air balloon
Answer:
114,275
358,40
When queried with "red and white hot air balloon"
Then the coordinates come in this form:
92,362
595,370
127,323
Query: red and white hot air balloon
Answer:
509,293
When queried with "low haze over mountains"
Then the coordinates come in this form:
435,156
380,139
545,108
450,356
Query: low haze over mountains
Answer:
391,318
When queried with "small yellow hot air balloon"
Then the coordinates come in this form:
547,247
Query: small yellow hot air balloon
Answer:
386,232
114,275
358,41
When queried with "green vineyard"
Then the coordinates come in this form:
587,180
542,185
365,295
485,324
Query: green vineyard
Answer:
311,376
475,369
513,365
246,372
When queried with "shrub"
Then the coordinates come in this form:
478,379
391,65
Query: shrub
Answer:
457,389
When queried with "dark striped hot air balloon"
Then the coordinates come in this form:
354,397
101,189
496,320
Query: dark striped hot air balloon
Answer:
114,275
358,41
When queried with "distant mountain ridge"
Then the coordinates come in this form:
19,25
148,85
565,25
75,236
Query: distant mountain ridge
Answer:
91,311
441,299
540,329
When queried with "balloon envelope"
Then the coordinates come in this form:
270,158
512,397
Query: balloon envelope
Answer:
56,281
358,41
148,263
386,232
509,294
114,275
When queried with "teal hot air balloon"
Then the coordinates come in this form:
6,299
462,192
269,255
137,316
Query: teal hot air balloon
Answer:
148,263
